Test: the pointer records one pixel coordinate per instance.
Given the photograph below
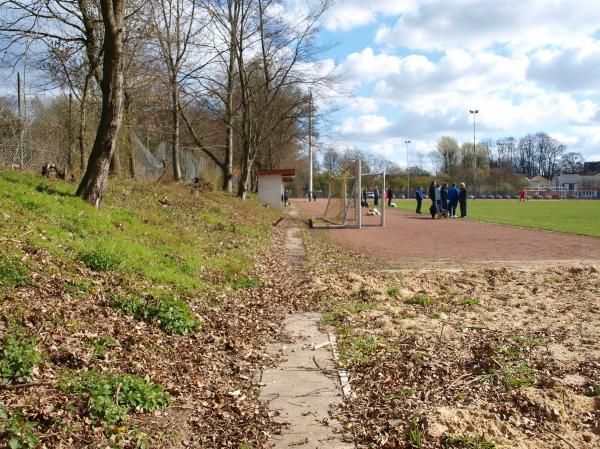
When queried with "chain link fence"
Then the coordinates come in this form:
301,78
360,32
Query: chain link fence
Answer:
36,137
45,133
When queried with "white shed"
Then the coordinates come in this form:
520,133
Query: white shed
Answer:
271,186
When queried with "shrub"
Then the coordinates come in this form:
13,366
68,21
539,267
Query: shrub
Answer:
12,272
16,431
111,396
100,260
18,357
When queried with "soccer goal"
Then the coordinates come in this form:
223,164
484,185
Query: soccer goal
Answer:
346,200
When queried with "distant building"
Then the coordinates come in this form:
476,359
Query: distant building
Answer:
538,182
577,186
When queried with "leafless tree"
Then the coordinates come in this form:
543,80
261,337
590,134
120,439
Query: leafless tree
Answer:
177,24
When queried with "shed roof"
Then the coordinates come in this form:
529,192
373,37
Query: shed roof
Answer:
278,171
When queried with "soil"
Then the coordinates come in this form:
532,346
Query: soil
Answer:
409,238
502,348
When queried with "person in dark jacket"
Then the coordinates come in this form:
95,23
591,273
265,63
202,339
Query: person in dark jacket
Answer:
390,195
419,198
376,196
444,195
452,200
462,200
432,187
365,198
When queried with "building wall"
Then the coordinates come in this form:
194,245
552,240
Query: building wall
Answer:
270,190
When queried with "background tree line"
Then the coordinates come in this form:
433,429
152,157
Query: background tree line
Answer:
230,77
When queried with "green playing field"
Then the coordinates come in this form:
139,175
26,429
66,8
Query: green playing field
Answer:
574,217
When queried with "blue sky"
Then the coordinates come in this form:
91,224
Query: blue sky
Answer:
416,67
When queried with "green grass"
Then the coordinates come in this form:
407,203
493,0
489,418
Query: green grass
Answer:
194,242
570,216
359,348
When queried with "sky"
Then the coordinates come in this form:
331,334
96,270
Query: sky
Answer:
415,68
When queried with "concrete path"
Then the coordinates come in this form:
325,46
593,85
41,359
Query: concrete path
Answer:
306,384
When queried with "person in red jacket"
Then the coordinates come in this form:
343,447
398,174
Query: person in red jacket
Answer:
522,195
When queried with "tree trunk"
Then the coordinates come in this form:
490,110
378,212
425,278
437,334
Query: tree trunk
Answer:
95,181
245,177
83,121
228,168
175,130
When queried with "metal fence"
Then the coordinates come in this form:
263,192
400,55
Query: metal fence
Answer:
35,139
46,134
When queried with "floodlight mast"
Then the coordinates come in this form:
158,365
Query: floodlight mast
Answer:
310,149
474,111
407,171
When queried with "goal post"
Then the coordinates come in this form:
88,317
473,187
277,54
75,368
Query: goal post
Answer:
344,208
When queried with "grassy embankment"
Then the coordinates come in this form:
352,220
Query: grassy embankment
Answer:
95,305
573,217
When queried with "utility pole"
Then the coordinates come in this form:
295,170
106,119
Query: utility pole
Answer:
407,171
475,111
310,150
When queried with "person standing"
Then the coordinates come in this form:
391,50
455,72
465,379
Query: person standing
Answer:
419,198
432,187
390,195
453,200
444,196
462,200
365,198
522,195
376,196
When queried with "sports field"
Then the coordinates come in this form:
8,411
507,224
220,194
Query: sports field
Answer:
574,217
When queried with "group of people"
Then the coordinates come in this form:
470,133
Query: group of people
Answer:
444,200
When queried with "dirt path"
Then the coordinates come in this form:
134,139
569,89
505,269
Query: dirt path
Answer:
408,239
304,386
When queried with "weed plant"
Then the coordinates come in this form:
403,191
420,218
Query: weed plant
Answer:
16,431
111,396
12,272
419,300
18,356
171,313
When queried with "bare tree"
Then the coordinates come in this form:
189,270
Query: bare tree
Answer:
572,163
283,47
214,89
177,25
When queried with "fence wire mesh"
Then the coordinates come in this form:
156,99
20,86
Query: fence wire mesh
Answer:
45,133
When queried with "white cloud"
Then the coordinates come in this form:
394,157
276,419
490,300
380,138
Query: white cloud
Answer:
347,14
481,24
572,67
364,124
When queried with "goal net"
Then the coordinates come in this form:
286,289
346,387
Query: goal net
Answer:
341,200
347,203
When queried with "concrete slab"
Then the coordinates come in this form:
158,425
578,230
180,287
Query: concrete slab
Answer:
303,388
